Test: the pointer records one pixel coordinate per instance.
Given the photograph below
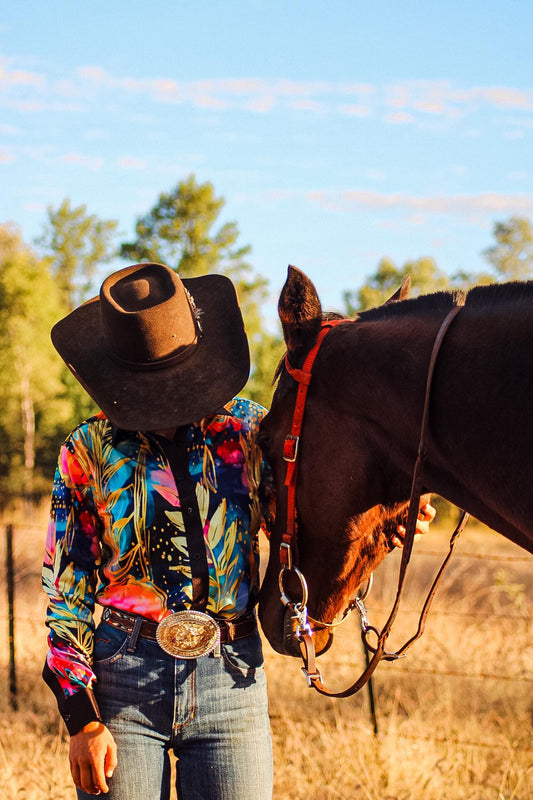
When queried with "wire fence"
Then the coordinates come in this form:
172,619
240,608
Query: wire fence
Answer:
457,673
485,556
16,573
453,740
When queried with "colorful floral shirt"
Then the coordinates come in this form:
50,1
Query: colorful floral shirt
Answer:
117,537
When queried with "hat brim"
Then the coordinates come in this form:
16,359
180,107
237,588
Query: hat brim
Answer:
155,399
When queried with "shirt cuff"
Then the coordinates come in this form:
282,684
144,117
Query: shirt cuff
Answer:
77,709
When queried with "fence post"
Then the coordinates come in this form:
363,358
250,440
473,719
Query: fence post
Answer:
10,574
371,696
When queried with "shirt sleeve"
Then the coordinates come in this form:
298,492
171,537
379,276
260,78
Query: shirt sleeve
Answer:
72,555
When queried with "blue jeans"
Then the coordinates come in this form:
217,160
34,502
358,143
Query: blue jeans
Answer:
211,711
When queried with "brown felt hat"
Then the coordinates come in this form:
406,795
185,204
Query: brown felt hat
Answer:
155,351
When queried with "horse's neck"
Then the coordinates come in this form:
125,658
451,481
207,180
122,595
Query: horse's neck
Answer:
480,432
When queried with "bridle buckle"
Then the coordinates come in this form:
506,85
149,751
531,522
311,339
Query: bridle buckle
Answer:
290,448
285,556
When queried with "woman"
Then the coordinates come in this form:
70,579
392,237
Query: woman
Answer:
155,516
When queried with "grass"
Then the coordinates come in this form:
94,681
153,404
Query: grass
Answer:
444,733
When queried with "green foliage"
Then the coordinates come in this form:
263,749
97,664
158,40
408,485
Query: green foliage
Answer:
179,231
81,406
77,244
266,354
512,255
425,277
32,405
511,258
40,401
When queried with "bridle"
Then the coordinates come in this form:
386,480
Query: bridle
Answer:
288,546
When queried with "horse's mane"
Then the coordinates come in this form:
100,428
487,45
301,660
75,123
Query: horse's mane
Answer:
518,293
495,294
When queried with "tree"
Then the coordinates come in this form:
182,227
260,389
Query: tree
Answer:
179,231
267,351
32,405
512,255
77,243
425,277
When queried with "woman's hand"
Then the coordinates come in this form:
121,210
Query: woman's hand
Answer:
93,758
426,515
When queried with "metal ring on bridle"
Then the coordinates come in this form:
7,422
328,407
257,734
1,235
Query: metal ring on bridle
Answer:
364,635
366,591
357,602
303,583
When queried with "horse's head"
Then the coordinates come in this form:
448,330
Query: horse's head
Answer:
343,533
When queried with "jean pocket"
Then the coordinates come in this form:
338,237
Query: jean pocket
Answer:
244,656
109,644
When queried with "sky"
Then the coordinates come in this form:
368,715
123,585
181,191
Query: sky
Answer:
338,132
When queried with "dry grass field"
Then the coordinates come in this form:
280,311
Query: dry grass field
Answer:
455,718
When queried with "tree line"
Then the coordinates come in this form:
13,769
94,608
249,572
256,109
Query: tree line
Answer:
40,401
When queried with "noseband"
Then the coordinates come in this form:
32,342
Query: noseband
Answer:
288,545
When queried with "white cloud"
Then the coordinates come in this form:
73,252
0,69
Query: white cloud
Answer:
92,73
308,105
518,175
353,110
444,99
450,205
35,206
399,118
515,134
376,174
95,134
27,106
398,103
130,162
262,104
210,101
356,88
6,157
395,208
501,96
21,78
80,160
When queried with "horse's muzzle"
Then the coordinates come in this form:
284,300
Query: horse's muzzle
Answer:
290,643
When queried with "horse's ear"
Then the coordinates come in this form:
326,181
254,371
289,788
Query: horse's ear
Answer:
300,311
402,293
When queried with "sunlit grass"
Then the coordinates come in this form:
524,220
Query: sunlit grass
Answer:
442,734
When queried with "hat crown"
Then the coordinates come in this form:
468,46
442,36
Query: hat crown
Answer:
147,316
141,353
137,292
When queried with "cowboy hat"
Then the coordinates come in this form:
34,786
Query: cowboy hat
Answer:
155,351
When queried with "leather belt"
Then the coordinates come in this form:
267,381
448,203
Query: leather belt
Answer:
147,628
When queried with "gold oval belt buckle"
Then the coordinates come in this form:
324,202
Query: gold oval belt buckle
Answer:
188,634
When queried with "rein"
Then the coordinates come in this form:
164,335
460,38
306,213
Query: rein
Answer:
288,545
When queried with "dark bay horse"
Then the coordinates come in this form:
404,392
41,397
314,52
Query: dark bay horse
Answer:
362,423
